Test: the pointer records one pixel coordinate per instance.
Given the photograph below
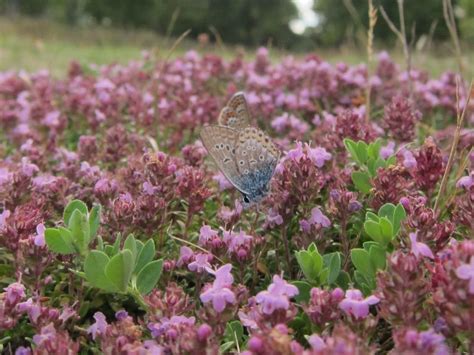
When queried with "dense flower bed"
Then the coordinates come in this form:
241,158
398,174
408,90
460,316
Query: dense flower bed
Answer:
346,254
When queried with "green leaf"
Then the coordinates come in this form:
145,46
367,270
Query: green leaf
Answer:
116,246
145,256
80,230
374,231
312,248
371,168
94,268
365,284
234,331
361,260
59,243
378,257
225,347
362,151
119,269
343,280
149,276
387,210
387,229
361,181
380,163
372,216
391,160
368,244
100,243
398,217
71,207
333,262
94,220
109,250
351,147
304,289
374,149
310,263
323,276
131,245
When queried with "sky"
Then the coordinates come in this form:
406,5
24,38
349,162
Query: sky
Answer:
307,18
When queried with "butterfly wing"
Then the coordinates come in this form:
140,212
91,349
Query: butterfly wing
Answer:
256,157
236,113
220,142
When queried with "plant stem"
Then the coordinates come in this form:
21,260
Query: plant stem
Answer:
345,241
452,153
286,244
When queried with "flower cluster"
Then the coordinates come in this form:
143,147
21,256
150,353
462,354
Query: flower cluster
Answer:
349,252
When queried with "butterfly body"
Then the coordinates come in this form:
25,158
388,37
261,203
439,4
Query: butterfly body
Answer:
244,154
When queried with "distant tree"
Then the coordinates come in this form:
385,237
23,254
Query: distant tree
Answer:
338,25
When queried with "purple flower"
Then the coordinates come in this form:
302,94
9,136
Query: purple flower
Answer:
219,292
165,324
39,237
148,188
22,351
273,218
15,292
276,296
317,218
354,304
32,309
99,327
47,334
466,272
388,150
409,160
418,248
297,153
200,263
186,255
222,181
316,342
466,181
206,234
121,315
318,155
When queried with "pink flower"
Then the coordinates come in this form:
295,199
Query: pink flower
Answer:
276,296
355,305
206,234
222,181
200,263
186,255
388,150
317,218
39,237
418,248
466,181
219,293
318,155
15,292
297,153
409,160
99,327
466,272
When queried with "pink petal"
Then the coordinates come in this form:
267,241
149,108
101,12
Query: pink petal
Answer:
464,272
372,300
425,250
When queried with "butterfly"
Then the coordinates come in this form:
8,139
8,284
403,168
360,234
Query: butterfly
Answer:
244,154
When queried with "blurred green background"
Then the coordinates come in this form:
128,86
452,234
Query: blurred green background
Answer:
49,33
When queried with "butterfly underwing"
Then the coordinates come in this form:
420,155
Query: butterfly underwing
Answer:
245,155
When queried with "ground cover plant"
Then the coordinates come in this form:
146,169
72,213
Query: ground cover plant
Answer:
119,235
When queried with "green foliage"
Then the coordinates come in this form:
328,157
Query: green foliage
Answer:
234,333
384,227
109,268
336,25
81,228
317,269
367,261
367,157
